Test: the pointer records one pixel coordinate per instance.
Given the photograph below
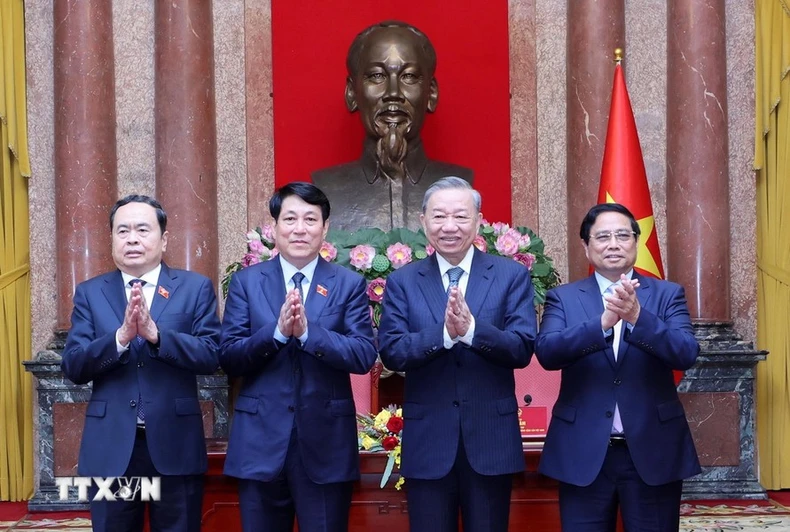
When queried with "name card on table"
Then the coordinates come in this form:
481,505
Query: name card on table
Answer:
532,420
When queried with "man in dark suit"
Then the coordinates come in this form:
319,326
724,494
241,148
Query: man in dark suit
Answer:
294,328
458,323
391,83
141,333
618,436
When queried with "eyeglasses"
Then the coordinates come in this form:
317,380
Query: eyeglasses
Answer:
606,236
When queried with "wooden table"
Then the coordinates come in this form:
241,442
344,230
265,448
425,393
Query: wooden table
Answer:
534,505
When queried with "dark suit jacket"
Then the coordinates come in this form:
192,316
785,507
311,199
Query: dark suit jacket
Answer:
640,381
164,376
465,391
291,385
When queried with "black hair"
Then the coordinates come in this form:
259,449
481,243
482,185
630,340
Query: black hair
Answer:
161,215
592,215
308,192
359,42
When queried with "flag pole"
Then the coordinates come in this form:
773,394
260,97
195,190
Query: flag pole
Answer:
618,56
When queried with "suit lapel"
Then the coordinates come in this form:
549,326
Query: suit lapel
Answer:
165,289
430,284
273,285
324,276
115,293
480,278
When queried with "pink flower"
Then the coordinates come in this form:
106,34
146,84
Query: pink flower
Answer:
399,255
256,246
481,244
483,221
523,243
253,235
268,234
429,250
250,259
507,243
376,290
361,257
500,228
527,259
328,252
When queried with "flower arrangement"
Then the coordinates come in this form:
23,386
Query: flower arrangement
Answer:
383,433
375,254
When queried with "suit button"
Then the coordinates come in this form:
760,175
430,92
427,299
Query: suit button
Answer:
608,413
319,355
133,403
291,408
617,382
456,403
140,364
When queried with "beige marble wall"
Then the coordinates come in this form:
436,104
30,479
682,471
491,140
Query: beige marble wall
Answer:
229,42
245,143
41,119
743,191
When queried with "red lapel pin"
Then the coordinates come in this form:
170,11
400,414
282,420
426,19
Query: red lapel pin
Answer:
163,292
321,290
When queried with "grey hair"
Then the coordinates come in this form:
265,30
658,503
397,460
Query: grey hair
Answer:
451,182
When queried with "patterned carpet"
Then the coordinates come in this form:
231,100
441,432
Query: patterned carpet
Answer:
696,517
700,517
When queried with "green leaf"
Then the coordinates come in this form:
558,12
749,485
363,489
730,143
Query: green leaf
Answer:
387,471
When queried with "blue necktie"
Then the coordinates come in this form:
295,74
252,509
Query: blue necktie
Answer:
455,275
139,341
297,280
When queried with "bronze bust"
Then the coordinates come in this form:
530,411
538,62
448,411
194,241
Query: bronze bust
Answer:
391,83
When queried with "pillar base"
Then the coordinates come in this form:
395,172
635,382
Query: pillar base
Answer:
718,395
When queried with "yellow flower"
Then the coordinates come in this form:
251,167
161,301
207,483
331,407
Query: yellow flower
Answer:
399,483
368,442
382,418
399,412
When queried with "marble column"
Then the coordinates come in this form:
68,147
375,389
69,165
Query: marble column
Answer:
718,392
698,156
186,146
84,156
595,29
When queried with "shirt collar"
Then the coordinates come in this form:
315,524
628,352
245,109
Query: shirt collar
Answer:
604,283
289,269
465,264
150,278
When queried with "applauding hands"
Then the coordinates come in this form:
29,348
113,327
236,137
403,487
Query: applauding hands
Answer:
137,319
457,317
621,303
292,320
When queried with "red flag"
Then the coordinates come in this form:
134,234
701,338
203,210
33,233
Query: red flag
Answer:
624,180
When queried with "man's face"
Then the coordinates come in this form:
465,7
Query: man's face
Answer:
299,231
394,84
611,256
451,223
137,240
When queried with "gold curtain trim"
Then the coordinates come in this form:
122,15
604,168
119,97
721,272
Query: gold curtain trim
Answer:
8,278
780,274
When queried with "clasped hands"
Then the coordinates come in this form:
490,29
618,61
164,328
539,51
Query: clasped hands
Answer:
621,304
292,320
457,316
137,319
